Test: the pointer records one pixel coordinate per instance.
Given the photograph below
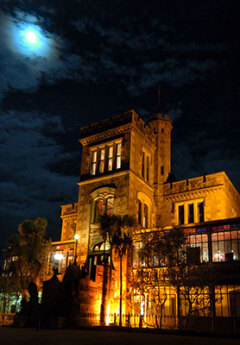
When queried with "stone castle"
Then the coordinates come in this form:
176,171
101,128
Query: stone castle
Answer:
126,170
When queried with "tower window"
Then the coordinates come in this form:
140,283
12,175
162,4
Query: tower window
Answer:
139,212
110,158
118,155
109,206
143,164
94,163
147,173
99,209
162,170
102,161
103,206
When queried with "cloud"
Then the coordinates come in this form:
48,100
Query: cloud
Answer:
28,188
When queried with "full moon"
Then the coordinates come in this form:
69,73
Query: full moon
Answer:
31,37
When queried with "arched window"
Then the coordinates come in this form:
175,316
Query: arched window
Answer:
145,216
102,202
99,208
139,212
109,206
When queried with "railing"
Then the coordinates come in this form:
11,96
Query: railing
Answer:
230,325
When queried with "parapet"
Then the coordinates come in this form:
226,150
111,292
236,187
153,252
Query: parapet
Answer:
114,126
195,183
68,209
109,123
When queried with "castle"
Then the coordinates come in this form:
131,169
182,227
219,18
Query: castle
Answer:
126,170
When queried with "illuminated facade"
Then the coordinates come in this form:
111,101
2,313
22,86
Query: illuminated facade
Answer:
125,170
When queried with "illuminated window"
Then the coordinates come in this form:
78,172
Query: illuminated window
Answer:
147,172
99,208
181,214
109,206
102,160
145,216
93,163
226,246
143,165
200,212
118,155
110,158
190,213
139,212
57,261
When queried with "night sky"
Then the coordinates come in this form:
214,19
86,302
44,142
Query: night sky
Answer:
66,63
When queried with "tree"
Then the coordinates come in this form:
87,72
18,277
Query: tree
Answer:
27,253
168,262
151,278
118,230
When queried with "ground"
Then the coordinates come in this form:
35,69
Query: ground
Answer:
9,336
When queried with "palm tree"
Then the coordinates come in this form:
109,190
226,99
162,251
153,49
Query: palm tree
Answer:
117,230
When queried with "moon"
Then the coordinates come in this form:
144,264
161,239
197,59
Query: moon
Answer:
31,36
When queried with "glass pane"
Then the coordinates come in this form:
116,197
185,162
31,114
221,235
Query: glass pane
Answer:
119,146
93,168
109,206
227,235
99,208
118,162
94,157
102,154
110,164
215,254
110,151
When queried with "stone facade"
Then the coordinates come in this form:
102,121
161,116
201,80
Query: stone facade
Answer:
125,169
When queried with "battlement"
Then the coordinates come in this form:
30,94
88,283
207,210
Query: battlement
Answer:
195,183
109,123
69,209
160,116
113,126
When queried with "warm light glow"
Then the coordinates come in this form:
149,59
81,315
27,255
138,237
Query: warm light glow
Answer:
76,237
108,315
58,256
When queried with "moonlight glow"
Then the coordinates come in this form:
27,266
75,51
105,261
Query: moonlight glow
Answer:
30,39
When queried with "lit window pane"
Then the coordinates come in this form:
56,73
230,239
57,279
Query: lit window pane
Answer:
109,206
118,157
110,158
102,161
93,167
99,208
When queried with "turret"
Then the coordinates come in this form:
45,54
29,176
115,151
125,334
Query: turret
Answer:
162,127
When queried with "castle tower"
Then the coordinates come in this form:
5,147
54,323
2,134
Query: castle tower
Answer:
162,127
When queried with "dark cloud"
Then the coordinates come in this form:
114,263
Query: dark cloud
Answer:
28,188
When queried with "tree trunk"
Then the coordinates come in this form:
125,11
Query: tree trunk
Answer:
104,294
120,307
178,308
